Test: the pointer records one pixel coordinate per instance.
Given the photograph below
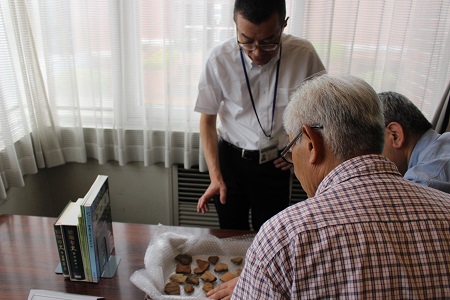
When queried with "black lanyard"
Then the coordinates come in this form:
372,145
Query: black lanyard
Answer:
274,94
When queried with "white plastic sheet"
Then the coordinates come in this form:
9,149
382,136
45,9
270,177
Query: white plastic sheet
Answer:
160,260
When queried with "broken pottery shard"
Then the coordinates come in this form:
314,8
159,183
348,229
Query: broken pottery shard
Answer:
237,260
208,286
178,278
228,276
172,288
184,259
213,259
192,279
188,288
203,264
183,269
208,277
221,267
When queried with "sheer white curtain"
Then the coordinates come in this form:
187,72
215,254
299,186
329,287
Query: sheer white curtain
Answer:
117,80
397,45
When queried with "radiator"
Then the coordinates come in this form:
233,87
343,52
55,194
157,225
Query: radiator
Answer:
189,185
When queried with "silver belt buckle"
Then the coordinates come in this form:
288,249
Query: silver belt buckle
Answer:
244,154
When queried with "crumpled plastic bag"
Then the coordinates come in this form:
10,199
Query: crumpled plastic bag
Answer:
160,260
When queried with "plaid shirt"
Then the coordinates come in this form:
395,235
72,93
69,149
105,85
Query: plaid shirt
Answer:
368,233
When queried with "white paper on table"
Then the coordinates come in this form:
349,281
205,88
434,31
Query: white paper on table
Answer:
36,294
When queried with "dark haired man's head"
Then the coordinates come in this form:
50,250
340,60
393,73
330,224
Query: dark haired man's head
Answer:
259,11
404,126
398,108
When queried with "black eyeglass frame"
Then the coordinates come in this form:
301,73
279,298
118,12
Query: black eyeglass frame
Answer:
288,148
264,47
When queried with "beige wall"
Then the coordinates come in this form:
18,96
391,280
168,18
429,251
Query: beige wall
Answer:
138,194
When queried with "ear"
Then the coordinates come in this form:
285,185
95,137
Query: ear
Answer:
285,22
395,135
315,144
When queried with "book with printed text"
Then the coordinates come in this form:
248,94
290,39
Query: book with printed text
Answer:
82,234
96,211
59,240
70,233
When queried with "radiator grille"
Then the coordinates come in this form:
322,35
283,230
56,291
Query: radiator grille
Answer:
189,186
297,192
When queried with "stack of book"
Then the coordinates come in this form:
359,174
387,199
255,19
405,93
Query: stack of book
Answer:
84,236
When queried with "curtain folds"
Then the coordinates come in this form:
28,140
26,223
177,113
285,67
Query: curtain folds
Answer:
117,80
441,118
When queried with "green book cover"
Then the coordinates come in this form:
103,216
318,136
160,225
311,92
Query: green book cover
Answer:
82,235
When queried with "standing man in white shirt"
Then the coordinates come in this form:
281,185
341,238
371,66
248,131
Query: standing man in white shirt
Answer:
247,81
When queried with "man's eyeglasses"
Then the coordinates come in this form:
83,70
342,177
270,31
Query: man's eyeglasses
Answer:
263,47
286,154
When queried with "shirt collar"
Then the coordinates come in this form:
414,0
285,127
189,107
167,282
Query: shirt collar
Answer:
425,140
355,167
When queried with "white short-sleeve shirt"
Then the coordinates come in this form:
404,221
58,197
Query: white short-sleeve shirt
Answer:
223,90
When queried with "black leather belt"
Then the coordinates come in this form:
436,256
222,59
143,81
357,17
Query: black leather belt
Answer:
246,154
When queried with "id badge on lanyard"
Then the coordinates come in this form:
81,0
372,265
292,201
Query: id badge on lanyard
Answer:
268,150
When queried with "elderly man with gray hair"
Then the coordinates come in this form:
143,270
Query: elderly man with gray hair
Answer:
364,231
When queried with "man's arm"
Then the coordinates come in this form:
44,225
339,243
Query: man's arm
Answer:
208,134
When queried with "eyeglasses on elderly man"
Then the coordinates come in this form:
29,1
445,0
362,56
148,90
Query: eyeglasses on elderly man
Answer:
286,154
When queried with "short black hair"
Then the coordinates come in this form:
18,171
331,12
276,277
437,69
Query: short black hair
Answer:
398,108
259,11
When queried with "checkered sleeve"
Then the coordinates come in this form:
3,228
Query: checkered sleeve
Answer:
264,276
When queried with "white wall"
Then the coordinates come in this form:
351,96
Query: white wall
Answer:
138,194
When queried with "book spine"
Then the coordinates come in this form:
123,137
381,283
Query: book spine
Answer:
73,253
61,250
95,266
84,246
